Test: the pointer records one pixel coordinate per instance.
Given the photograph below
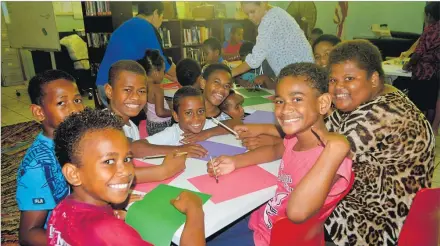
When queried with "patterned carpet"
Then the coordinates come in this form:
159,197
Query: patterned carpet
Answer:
15,140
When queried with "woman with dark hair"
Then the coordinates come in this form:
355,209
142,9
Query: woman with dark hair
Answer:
130,41
322,47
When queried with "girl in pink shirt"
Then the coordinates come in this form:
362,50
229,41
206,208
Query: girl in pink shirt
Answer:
314,170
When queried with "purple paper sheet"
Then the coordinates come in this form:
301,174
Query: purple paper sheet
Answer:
260,117
218,149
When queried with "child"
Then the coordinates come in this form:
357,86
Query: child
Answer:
314,168
157,109
315,34
189,73
97,162
233,105
231,48
213,51
40,183
127,91
322,47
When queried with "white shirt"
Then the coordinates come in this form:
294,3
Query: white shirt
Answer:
131,131
280,41
172,135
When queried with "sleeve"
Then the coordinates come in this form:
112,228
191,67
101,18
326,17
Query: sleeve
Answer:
260,50
150,40
344,171
115,232
209,124
33,191
169,136
421,46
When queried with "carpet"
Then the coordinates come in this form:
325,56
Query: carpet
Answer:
15,140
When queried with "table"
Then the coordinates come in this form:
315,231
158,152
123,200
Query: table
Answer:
395,70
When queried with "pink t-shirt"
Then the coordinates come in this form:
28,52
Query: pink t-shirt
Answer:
294,166
76,223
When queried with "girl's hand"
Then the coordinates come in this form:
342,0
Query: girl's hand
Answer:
262,140
120,214
194,137
223,165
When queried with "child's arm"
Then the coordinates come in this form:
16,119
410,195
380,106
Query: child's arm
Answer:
310,194
31,231
208,133
254,130
226,164
262,140
142,148
159,104
171,165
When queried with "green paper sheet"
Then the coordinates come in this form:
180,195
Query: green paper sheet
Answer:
255,100
247,93
155,218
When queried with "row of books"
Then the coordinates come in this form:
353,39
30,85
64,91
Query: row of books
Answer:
165,34
97,8
194,53
196,35
97,40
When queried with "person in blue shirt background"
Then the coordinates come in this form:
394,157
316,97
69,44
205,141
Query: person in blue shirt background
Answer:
130,41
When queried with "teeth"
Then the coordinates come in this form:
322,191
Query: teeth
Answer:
342,95
119,186
291,120
219,96
197,125
132,105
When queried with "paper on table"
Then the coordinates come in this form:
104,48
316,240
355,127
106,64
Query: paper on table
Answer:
155,218
217,149
247,93
238,183
255,100
171,85
147,187
260,117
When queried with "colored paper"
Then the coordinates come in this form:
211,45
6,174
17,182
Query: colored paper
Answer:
260,117
147,187
155,218
255,101
238,183
217,149
172,85
251,93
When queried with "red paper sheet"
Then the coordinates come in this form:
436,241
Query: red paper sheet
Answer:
147,187
172,85
238,183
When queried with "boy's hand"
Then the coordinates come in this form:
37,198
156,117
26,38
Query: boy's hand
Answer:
134,197
223,165
262,140
120,214
248,130
187,202
174,164
194,137
194,150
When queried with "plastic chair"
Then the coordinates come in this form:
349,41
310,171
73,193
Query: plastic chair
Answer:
143,129
311,232
422,225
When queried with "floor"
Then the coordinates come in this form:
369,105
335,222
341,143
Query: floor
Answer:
15,109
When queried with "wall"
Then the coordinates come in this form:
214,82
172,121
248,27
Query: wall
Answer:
66,23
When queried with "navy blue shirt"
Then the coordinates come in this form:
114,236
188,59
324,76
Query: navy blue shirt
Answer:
129,42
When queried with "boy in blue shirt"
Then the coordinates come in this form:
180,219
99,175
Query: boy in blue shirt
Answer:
40,182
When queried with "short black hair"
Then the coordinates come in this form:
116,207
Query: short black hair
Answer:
316,75
207,70
187,71
234,29
317,31
363,52
124,65
185,91
148,8
35,87
334,40
152,60
433,9
224,105
70,132
213,44
246,48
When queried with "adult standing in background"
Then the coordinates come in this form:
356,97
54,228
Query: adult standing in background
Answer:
130,41
280,40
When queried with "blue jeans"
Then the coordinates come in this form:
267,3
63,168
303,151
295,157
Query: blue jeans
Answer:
102,96
237,234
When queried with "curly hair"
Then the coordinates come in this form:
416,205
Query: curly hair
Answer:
70,132
36,84
185,91
124,65
316,75
152,60
245,49
209,69
334,40
363,52
148,8
213,44
187,71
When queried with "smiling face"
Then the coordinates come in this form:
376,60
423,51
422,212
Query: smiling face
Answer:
105,174
321,52
128,95
191,114
216,88
298,106
255,12
350,86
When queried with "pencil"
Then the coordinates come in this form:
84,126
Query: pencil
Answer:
163,156
215,173
225,126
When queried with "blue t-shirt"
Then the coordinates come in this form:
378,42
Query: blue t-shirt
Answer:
40,182
129,42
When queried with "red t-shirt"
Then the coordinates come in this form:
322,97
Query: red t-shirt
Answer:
231,48
76,223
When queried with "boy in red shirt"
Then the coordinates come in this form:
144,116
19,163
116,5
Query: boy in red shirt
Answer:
97,162
231,47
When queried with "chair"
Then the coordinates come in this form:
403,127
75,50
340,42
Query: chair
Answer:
422,225
286,233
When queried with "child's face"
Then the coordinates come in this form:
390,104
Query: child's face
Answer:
321,52
235,106
61,98
238,35
106,173
211,55
216,88
128,95
191,114
298,106
158,75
